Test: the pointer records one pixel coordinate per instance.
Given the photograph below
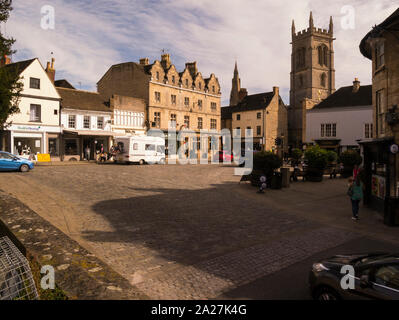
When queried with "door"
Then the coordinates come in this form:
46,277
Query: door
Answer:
150,153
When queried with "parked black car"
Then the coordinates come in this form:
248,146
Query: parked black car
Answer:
376,277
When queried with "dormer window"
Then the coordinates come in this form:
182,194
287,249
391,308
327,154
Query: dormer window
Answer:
157,75
186,82
199,85
173,79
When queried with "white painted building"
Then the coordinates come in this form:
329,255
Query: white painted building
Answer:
342,119
36,128
128,115
86,122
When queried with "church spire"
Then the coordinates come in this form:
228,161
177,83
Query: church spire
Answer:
293,27
311,25
331,27
235,87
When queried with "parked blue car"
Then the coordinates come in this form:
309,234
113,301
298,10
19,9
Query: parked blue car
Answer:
10,162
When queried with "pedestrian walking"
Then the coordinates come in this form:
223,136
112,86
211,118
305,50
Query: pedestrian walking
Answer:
355,172
87,153
355,192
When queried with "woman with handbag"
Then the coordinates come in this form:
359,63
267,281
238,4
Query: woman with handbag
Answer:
355,192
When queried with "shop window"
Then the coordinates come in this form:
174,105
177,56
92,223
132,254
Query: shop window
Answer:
35,113
53,147
27,146
71,147
34,83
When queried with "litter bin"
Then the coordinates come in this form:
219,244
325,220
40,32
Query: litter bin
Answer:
285,172
391,212
277,180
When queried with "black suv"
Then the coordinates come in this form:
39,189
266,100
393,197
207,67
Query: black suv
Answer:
376,277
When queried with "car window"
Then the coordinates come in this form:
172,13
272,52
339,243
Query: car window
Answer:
5,156
150,147
161,149
388,275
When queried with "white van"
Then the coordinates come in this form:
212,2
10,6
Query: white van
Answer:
140,149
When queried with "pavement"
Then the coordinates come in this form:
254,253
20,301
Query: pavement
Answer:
194,231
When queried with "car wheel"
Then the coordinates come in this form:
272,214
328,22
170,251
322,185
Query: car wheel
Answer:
24,168
326,293
141,162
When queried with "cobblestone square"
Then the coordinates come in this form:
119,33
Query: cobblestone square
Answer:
183,232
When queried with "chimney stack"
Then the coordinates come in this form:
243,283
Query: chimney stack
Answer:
356,85
276,91
4,61
51,70
165,60
192,68
144,61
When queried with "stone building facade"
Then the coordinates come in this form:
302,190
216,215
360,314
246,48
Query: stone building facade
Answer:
180,100
264,113
312,75
381,163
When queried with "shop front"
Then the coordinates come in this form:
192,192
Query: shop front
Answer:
29,141
76,142
381,187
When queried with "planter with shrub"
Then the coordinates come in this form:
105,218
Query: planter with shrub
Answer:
265,163
316,160
296,155
349,159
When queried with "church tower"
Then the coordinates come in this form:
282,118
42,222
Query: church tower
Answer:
312,75
235,88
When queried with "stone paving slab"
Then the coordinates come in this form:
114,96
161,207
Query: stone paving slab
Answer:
78,272
213,277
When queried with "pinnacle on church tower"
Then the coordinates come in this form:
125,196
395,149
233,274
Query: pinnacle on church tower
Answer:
331,26
293,27
311,25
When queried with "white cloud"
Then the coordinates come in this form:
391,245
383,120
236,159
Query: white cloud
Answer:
92,35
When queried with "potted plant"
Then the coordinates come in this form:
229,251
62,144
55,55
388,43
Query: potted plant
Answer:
316,160
296,155
349,159
265,163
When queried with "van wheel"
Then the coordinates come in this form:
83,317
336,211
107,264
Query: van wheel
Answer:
141,162
24,168
162,161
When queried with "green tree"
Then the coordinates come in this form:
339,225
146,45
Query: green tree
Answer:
10,86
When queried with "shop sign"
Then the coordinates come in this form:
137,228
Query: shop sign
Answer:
378,186
28,128
43,157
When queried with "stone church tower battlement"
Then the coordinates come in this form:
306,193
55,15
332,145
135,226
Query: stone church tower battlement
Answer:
312,74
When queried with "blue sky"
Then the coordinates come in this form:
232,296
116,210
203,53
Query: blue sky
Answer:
91,35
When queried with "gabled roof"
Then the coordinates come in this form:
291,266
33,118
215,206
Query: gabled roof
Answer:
63,84
251,102
345,97
393,19
82,100
19,67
